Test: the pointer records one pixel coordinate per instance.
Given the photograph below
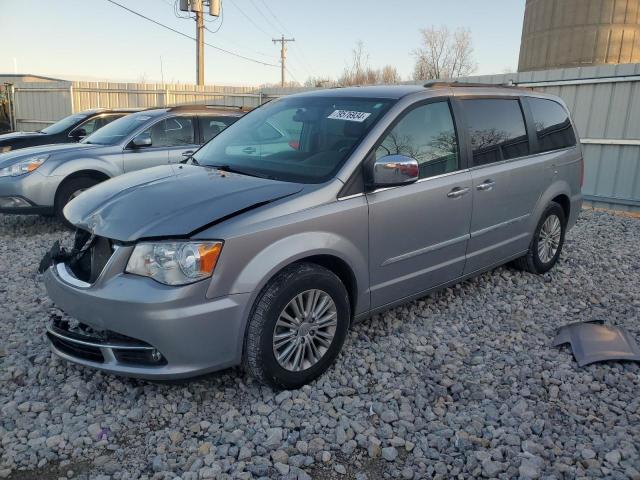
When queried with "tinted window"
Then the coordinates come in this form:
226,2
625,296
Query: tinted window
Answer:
553,126
427,134
497,130
210,127
297,139
172,132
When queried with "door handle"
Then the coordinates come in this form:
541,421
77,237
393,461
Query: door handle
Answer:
486,185
457,192
249,150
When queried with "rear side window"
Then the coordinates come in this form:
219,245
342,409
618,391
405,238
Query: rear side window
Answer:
426,134
553,127
210,127
497,129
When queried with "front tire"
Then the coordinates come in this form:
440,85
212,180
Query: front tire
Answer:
547,242
297,326
69,190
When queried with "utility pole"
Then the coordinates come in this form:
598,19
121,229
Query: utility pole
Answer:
197,7
199,44
283,55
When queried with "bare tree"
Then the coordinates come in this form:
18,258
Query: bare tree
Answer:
444,54
360,73
390,74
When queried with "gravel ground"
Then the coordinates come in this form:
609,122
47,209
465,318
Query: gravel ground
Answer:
461,384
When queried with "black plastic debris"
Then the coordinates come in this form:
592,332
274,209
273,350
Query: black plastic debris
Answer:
595,342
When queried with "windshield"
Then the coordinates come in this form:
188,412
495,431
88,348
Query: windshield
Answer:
117,130
62,125
295,139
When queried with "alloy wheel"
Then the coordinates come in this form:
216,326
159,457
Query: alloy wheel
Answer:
549,238
305,330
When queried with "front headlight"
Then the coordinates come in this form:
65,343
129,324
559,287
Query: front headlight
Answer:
175,263
24,166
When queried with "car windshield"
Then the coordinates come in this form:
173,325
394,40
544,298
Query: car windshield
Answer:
62,125
115,131
294,139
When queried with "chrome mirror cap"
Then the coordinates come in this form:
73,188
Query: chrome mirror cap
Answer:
142,140
393,170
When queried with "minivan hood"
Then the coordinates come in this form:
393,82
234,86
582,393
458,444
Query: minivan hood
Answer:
18,135
169,201
14,156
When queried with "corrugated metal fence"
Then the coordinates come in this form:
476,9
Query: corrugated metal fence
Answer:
38,104
604,101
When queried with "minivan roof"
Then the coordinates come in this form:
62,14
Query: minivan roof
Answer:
398,91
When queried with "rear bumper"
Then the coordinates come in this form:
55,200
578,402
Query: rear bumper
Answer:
193,334
574,212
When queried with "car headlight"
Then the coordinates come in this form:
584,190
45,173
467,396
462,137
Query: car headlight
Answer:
25,166
6,148
175,263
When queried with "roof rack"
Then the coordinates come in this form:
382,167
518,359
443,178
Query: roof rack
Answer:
178,108
443,84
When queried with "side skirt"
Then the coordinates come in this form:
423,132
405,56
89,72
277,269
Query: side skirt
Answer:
424,293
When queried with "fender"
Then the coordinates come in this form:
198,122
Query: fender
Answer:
266,264
69,167
558,187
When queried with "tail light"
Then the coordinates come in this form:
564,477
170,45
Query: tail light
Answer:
581,172
295,145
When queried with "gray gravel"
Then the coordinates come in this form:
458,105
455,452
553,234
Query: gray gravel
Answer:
461,384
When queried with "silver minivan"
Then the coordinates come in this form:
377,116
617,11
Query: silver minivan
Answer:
310,213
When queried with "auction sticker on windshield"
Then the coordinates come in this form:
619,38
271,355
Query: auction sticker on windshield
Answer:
349,115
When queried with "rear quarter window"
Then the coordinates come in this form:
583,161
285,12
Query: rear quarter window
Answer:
553,126
496,128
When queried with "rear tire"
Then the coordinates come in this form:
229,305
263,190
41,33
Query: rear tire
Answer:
318,333
547,242
68,191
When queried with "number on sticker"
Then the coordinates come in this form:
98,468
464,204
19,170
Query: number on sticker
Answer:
349,115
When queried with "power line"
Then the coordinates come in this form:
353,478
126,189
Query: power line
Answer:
250,19
190,37
264,16
286,30
268,8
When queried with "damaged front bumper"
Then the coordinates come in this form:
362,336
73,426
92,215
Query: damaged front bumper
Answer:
141,328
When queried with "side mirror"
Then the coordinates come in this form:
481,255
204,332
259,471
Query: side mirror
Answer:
394,170
79,134
142,140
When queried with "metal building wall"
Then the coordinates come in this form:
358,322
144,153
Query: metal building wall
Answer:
572,33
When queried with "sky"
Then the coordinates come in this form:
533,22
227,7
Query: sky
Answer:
96,40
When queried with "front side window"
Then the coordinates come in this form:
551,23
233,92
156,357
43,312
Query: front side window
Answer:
119,129
553,126
211,127
298,139
172,132
95,123
497,129
426,134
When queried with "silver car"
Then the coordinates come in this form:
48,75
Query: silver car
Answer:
263,256
43,179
